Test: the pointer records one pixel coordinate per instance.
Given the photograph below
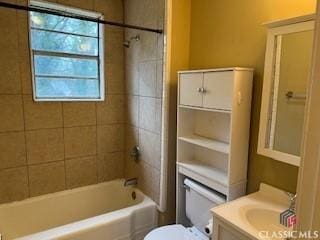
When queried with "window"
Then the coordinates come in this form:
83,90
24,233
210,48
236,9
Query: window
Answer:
66,54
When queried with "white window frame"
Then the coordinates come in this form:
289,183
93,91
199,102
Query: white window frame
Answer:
80,12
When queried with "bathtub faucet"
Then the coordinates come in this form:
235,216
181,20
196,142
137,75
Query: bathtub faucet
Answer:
131,182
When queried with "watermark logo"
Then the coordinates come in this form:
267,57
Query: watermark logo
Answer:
289,234
288,218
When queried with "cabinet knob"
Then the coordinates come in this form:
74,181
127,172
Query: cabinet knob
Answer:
201,90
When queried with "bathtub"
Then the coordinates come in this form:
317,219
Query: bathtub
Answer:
106,211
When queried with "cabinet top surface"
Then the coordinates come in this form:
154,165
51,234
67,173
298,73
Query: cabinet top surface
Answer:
287,21
217,70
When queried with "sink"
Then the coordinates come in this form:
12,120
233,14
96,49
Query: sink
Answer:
264,219
257,215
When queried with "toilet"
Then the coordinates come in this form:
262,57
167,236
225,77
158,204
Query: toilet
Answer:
199,200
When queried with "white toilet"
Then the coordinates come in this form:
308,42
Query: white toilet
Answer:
199,201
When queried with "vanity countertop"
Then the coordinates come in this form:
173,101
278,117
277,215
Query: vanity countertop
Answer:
255,214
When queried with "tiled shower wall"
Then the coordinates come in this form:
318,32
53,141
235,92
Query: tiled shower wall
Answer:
48,147
144,80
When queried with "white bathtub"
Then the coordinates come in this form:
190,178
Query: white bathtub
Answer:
106,211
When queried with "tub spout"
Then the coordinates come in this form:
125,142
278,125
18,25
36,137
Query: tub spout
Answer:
131,182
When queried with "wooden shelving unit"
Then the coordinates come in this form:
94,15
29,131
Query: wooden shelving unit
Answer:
213,131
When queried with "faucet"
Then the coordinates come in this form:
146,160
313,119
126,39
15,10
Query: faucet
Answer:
135,153
292,201
131,182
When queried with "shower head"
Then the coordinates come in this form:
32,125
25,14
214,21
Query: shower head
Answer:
127,43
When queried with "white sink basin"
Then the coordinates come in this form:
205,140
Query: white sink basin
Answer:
255,213
264,219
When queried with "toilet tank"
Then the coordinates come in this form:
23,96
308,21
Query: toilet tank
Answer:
199,201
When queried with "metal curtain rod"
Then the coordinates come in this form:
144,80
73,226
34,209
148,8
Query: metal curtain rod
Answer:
65,14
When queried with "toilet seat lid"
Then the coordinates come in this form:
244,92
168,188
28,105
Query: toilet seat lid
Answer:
172,232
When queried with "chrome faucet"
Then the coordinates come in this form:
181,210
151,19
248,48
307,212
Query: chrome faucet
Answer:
292,201
131,182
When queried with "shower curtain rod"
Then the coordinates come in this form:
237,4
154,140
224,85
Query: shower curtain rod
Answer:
65,14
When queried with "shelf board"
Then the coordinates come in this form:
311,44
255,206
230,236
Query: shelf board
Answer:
205,109
206,143
210,173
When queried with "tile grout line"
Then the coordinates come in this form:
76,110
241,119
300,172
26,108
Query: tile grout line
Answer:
22,104
97,161
127,96
57,128
156,92
26,146
64,147
56,161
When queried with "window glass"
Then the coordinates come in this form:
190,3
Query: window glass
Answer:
67,56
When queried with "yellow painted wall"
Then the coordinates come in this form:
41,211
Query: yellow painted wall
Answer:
177,58
229,33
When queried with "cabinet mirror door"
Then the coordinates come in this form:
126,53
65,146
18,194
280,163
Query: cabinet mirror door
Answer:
287,69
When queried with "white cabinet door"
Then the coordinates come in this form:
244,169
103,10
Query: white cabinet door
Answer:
190,89
225,235
222,231
218,88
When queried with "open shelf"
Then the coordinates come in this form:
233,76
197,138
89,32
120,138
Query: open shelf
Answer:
206,143
204,127
205,109
206,171
208,175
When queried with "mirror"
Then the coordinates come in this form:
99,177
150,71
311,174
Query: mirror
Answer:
289,92
287,66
